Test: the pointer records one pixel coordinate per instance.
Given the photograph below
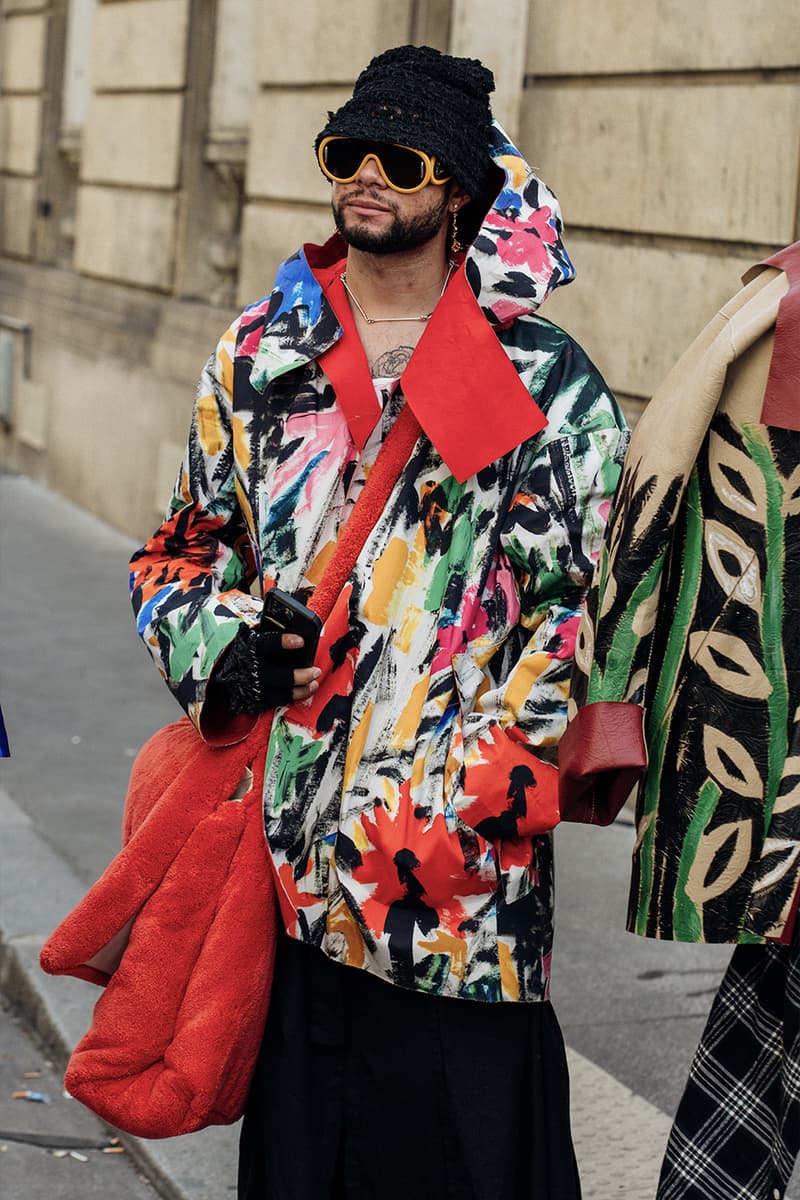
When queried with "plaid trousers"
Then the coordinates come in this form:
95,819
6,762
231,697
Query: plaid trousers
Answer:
736,1133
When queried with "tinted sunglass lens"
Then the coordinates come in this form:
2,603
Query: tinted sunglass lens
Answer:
403,167
343,157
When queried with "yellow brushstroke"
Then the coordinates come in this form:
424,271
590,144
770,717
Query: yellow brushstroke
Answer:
341,921
360,839
226,369
453,947
508,974
405,730
412,615
389,567
515,167
418,771
315,571
391,800
522,681
209,429
405,634
241,446
454,760
355,751
416,558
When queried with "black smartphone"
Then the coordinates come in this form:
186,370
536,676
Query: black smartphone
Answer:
283,614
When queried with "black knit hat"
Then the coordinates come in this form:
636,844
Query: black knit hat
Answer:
416,96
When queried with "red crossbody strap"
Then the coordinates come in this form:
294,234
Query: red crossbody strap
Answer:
392,457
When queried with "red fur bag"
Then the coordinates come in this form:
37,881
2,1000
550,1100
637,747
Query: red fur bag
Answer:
181,927
175,1035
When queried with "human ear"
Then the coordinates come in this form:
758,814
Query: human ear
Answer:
457,197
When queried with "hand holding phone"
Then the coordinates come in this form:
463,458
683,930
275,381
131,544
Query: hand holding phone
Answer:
256,672
283,614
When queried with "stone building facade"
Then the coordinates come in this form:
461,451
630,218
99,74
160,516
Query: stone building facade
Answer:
156,165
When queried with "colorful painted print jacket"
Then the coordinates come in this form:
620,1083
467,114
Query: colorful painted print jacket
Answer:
404,801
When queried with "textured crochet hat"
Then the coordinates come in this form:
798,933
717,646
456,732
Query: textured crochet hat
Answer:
416,96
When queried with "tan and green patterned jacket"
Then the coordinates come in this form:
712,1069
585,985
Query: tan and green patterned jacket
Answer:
692,630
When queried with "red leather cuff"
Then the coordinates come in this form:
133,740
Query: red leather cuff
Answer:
601,757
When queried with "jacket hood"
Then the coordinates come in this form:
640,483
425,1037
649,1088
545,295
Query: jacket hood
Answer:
517,256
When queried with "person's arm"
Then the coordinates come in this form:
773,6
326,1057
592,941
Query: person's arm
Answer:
551,538
190,581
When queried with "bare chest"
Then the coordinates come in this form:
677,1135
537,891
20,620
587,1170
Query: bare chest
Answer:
389,347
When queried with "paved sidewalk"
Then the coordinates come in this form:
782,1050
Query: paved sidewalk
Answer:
59,1149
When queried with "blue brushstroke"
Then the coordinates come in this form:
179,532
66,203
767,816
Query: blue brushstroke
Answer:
283,507
298,287
500,144
508,198
144,617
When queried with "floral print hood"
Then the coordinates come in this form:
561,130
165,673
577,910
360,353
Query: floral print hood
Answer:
518,256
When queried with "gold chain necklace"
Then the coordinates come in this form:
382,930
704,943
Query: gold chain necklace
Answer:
386,320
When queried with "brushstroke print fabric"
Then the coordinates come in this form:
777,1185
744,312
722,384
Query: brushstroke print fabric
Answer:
408,804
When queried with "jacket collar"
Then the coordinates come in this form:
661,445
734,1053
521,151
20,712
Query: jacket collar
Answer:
780,396
298,323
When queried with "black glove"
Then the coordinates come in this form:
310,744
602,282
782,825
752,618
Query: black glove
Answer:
253,674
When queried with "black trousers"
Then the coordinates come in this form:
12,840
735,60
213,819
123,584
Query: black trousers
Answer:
365,1091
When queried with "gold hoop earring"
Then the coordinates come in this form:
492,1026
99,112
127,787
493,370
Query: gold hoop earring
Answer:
455,244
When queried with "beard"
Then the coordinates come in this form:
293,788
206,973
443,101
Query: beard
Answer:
404,233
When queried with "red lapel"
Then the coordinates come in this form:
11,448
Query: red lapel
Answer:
460,383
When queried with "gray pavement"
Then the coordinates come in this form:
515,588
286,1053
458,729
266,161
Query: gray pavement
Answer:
57,1148
80,695
78,690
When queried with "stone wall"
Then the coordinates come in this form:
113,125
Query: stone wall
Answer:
156,164
22,71
671,133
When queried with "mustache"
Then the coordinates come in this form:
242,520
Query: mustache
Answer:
364,194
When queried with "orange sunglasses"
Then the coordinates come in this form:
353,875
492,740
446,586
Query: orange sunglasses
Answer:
402,168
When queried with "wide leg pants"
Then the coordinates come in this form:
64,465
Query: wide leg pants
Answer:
736,1134
365,1091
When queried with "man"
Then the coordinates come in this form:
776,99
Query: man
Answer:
410,1049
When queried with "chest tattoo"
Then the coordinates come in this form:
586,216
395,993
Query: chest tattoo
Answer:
391,362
